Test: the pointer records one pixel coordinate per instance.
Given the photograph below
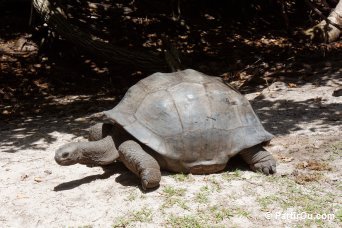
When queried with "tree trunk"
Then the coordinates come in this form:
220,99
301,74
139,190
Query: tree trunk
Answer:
329,29
55,18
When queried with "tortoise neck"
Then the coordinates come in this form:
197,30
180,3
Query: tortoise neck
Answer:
101,152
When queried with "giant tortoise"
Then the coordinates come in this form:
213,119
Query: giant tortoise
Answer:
183,121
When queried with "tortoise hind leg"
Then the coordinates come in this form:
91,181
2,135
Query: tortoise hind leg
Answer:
140,163
259,159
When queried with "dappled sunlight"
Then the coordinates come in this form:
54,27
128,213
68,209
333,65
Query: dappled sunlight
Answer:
299,110
52,89
66,115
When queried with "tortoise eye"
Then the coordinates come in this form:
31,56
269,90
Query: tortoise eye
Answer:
65,155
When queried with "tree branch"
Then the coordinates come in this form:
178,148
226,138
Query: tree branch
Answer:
54,17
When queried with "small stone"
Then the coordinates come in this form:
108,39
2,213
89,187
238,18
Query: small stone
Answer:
24,177
37,179
48,172
21,196
337,93
286,159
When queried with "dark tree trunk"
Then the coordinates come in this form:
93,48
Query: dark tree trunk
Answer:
54,17
329,29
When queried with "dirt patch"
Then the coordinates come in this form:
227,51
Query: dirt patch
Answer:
313,165
38,192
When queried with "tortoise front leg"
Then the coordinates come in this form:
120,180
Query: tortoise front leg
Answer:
259,159
140,163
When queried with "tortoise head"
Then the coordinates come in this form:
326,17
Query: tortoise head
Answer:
68,154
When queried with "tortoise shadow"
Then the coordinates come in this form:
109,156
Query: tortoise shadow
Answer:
127,178
109,171
236,163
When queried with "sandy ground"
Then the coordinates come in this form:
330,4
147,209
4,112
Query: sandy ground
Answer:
306,191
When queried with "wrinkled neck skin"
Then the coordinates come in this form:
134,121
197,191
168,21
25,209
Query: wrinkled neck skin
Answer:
101,152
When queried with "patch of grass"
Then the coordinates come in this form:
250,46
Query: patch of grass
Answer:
144,215
220,213
316,204
279,180
215,183
312,201
132,196
236,174
335,151
293,188
172,195
241,212
338,215
313,223
169,202
337,147
202,195
214,217
266,201
171,191
273,178
182,204
187,221
181,177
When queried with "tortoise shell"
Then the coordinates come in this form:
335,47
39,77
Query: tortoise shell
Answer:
189,119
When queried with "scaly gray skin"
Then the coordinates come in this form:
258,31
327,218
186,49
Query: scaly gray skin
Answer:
256,157
103,152
259,159
131,154
100,131
142,164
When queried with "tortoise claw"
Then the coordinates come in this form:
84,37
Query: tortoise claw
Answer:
266,167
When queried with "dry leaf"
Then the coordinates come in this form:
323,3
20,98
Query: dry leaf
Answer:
314,165
21,196
37,179
286,159
303,178
23,177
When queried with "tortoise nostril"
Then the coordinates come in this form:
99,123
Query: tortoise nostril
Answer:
65,154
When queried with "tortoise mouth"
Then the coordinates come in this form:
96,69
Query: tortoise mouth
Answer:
64,161
67,154
64,158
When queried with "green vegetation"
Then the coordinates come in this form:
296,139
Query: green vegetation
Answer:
171,191
202,195
181,177
266,201
187,221
172,197
143,215
236,174
220,213
338,215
